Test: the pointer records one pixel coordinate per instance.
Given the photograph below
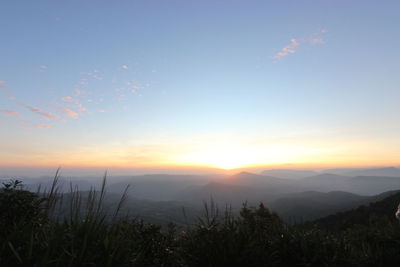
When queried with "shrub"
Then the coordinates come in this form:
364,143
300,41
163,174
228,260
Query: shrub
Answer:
19,207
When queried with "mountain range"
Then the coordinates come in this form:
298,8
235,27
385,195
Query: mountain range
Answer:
294,195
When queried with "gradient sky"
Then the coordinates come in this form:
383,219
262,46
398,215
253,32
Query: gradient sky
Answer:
182,83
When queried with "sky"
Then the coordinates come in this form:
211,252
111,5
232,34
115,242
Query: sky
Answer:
199,84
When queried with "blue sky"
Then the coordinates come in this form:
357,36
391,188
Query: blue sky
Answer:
182,83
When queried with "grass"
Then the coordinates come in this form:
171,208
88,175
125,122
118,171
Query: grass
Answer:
76,229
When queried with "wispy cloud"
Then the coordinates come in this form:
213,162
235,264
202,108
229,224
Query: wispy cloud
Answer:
2,85
134,87
36,110
81,107
70,113
10,112
43,67
295,43
317,40
288,49
125,67
42,126
94,74
30,125
78,92
67,98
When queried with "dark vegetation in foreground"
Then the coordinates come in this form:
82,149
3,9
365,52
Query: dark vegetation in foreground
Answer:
33,232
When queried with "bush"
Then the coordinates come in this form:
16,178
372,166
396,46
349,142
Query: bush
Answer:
19,207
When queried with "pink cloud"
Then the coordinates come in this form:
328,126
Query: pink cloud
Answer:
42,126
67,98
80,107
288,49
78,92
70,113
83,81
27,125
2,86
316,38
36,110
10,112
125,67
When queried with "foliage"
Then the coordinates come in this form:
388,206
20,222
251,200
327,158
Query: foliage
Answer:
18,206
45,229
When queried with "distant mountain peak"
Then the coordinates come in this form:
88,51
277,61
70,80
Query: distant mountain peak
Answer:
384,171
327,176
244,173
289,173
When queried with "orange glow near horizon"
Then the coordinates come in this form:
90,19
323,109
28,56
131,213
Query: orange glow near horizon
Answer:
211,168
213,152
217,159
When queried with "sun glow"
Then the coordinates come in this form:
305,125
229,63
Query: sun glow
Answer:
235,155
226,159
212,151
223,157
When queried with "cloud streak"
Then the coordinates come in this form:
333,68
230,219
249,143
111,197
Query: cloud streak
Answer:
42,126
10,112
38,111
43,67
67,98
288,49
2,86
70,113
295,44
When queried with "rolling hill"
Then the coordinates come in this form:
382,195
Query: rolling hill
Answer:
383,207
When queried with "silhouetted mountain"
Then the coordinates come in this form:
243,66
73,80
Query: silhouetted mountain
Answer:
311,204
381,171
289,174
340,171
388,172
271,186
294,199
372,185
221,193
160,187
326,177
326,183
383,208
363,185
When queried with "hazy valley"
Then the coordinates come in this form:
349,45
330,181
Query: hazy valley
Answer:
294,195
